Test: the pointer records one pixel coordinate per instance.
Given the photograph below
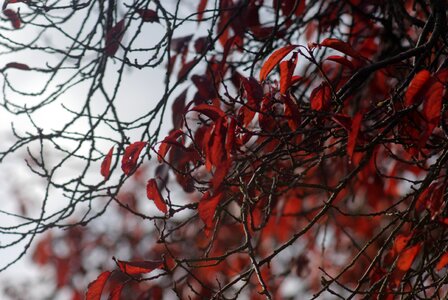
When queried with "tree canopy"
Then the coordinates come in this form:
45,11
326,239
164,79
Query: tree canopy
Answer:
305,155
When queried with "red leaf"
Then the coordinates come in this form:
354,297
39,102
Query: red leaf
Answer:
16,65
274,59
353,135
213,112
148,15
341,47
13,17
407,257
115,294
153,193
113,38
130,157
167,142
432,105
286,72
95,288
343,120
207,207
138,267
254,91
105,165
341,60
185,69
178,109
320,97
201,8
416,87
443,261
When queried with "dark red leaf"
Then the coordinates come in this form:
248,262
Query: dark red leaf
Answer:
16,65
320,97
432,105
341,47
286,72
148,15
341,60
254,92
343,120
443,261
207,207
407,257
115,294
138,267
274,59
130,157
13,18
178,109
95,288
105,165
167,142
113,38
153,193
416,87
353,135
185,69
201,8
213,112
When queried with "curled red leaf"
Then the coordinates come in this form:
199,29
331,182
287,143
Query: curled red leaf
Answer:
130,157
138,267
213,112
167,143
341,47
274,59
105,165
153,193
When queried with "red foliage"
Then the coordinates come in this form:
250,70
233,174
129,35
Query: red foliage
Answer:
330,170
